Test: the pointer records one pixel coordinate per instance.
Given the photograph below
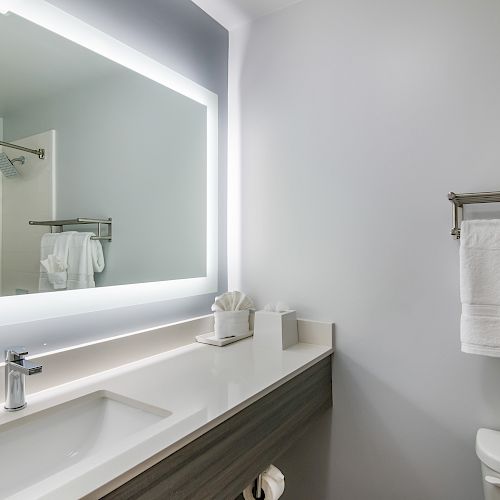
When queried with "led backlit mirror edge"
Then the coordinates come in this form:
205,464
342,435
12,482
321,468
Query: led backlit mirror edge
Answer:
32,307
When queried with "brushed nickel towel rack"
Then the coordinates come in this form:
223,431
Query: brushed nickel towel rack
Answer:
80,220
461,199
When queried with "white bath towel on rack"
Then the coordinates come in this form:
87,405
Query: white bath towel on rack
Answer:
85,258
54,251
480,286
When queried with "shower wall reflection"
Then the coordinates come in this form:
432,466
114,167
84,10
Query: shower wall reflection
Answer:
29,192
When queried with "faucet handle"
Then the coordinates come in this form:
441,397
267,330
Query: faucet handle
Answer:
15,353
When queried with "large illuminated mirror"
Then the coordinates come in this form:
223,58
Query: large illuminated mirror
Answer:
124,190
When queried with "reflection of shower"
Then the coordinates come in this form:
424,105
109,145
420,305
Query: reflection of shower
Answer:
7,165
40,152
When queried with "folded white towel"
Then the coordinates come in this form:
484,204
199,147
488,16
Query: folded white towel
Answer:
480,287
232,301
84,259
56,271
54,251
231,313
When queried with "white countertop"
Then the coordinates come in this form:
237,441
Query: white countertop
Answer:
200,385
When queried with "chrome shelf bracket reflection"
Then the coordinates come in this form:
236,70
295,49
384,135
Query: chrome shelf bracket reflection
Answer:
59,224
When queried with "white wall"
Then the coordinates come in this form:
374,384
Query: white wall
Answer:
357,118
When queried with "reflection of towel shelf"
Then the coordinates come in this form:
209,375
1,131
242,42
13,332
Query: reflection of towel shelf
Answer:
80,220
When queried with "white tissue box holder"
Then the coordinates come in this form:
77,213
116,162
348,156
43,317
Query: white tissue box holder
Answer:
231,323
276,329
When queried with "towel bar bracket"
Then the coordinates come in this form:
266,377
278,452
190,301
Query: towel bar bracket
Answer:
59,224
459,200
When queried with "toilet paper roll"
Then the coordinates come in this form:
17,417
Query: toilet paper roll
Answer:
273,484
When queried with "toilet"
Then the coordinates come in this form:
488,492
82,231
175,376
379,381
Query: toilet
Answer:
488,451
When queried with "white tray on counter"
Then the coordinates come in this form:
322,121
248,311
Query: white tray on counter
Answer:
209,338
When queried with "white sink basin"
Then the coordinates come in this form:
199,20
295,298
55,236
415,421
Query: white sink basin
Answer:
42,444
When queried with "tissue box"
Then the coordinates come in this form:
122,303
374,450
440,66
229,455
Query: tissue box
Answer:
276,329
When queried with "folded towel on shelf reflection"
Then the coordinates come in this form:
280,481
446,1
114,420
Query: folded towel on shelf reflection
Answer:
54,252
85,258
69,261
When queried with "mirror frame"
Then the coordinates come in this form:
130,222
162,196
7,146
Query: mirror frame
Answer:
32,307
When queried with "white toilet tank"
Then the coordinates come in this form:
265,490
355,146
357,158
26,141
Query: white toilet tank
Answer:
488,451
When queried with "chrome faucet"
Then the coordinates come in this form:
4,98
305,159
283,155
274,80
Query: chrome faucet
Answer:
16,369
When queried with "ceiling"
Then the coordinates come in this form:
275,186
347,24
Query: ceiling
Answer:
232,13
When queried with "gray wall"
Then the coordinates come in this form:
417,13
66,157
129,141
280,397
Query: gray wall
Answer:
181,36
358,117
131,149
